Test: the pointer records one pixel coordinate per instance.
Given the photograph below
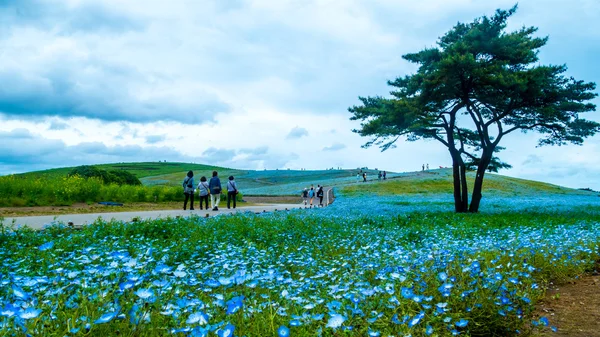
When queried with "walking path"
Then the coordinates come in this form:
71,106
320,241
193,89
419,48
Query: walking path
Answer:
77,220
38,222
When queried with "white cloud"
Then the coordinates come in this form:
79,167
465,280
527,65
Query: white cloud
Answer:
210,82
335,147
296,133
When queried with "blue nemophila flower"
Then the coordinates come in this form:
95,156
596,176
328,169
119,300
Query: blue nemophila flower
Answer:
9,310
416,319
428,330
442,276
107,317
197,317
133,319
374,333
395,319
227,331
162,269
161,283
30,313
407,293
20,293
126,285
318,317
462,323
224,281
554,329
212,283
235,304
335,321
199,332
544,321
283,331
46,246
144,293
295,322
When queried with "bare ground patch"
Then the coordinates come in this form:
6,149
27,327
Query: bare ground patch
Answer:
574,308
83,208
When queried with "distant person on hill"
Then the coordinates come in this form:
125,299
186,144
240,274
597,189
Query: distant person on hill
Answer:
320,195
204,192
305,196
215,191
188,190
384,175
311,195
423,167
379,175
364,177
231,192
357,177
427,166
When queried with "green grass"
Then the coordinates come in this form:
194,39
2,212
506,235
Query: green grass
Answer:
440,182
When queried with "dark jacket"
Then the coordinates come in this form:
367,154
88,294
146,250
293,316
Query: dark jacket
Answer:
320,192
215,185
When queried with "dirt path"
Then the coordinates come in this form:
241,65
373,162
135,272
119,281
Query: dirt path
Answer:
38,222
573,308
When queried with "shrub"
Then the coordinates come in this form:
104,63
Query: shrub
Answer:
119,177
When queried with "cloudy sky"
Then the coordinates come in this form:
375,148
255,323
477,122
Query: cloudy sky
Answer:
248,83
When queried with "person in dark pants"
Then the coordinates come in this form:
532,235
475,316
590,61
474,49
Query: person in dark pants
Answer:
204,192
188,190
320,193
215,191
231,191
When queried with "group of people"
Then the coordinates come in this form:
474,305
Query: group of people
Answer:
205,189
363,175
308,195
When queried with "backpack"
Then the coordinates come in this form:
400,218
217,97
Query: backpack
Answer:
187,181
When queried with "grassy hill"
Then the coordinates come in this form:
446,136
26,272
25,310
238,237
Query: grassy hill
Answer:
291,182
440,182
141,170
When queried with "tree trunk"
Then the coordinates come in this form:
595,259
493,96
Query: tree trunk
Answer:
486,158
461,196
463,187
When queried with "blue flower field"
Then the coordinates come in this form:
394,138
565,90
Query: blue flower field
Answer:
365,266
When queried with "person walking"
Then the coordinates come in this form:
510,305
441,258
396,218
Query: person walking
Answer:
203,192
379,175
231,192
311,195
188,190
215,191
427,166
423,167
305,196
364,177
357,176
384,175
320,193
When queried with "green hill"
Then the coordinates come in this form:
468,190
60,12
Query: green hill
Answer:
291,182
440,182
